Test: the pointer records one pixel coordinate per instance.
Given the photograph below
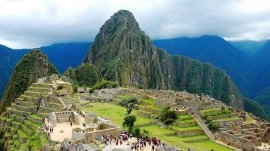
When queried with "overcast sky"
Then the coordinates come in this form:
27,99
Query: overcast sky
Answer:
33,23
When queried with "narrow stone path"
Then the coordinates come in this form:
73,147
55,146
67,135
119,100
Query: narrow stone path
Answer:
203,126
62,102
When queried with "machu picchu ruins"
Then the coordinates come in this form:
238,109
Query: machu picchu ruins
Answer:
50,113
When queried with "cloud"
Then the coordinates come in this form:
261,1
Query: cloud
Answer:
31,23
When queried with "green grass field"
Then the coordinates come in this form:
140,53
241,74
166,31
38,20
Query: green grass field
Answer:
113,112
116,114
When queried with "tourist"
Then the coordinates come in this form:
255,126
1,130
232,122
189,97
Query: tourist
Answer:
153,147
70,123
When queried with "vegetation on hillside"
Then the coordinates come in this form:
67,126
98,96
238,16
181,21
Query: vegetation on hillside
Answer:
130,104
255,108
167,116
124,53
84,75
129,121
103,85
32,66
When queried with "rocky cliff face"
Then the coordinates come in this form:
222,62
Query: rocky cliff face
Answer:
123,52
32,66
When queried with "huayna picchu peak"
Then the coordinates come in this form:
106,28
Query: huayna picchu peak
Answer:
123,52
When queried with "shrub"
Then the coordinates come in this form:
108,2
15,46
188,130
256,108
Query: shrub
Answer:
136,131
213,126
104,84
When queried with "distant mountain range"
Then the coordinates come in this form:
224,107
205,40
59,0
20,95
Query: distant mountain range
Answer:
246,62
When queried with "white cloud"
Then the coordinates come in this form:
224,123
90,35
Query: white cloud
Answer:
32,23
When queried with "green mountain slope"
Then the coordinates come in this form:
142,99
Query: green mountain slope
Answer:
122,52
32,66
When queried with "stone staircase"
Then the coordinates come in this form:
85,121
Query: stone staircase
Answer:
24,118
204,127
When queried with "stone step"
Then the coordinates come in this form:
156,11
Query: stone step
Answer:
16,124
17,144
12,129
36,119
18,100
39,89
43,85
186,133
187,123
22,136
42,114
32,125
54,105
10,143
33,94
20,113
24,103
12,116
27,130
49,110
15,136
28,98
8,136
19,118
31,108
7,120
54,99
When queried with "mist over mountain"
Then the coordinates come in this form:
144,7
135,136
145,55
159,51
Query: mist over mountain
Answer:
248,46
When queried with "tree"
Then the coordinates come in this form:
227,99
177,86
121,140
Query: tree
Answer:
136,131
213,126
168,116
129,122
130,104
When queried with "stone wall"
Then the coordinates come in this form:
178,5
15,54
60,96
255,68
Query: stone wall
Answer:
91,136
239,142
223,123
190,133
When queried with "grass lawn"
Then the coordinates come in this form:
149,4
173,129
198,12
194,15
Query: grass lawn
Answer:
116,114
208,145
113,112
155,129
177,128
178,141
148,102
186,121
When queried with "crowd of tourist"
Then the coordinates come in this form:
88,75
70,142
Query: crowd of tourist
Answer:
134,143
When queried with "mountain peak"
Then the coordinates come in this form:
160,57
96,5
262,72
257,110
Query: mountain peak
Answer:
123,20
123,16
124,53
